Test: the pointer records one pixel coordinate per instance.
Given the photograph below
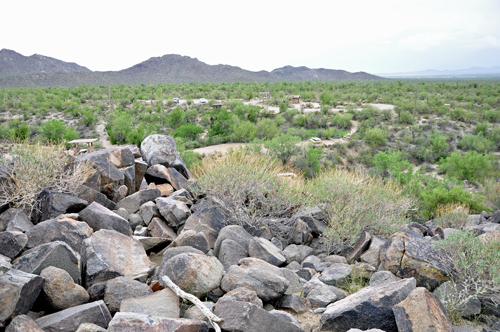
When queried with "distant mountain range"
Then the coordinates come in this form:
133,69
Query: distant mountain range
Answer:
468,72
17,70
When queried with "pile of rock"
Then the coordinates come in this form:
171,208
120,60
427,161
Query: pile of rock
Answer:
83,263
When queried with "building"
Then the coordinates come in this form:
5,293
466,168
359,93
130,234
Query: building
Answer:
296,99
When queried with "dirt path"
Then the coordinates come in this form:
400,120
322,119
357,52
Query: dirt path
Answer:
103,136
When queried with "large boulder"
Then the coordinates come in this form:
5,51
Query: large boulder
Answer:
175,212
236,233
297,253
69,320
247,317
371,307
58,254
68,230
159,228
12,243
53,204
244,294
133,202
372,255
92,195
60,290
209,220
23,323
421,311
164,303
230,253
410,256
111,177
18,292
121,288
158,149
337,274
15,220
110,254
194,273
294,302
265,250
131,321
98,217
140,169
264,282
171,253
192,239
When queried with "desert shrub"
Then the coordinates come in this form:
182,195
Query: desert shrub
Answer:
188,131
246,131
472,166
20,133
35,168
376,137
282,147
481,128
476,269
309,161
267,128
452,215
477,143
300,121
56,131
354,201
394,165
406,117
490,188
439,145
176,118
333,132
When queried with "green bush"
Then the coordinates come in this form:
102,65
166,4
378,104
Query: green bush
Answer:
477,143
282,147
246,131
309,161
56,131
267,128
406,117
472,166
394,165
176,118
188,131
439,145
376,137
481,128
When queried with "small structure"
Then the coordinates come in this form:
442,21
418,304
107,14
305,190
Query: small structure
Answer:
264,95
88,141
296,99
315,140
217,106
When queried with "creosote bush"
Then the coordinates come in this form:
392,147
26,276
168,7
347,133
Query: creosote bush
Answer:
35,168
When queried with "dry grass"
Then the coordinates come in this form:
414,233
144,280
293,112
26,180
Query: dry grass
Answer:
452,215
38,167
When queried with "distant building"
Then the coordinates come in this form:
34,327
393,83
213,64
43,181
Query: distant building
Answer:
264,95
296,99
217,106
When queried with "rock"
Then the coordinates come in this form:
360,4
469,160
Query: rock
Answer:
230,253
69,320
163,303
165,189
301,233
453,293
194,273
294,266
363,270
5,261
98,217
489,237
359,247
111,177
23,323
12,243
322,295
293,279
295,302
370,307
209,220
336,274
264,282
60,290
152,242
265,250
96,291
236,233
15,220
89,327
110,254
173,211
130,321
140,169
448,231
129,178
317,226
192,239
53,204
372,255
135,220
133,202
180,180
421,311
92,179
407,256
119,193
158,149
159,175
241,316
382,277
305,273
57,254
297,253
251,261
122,288
92,195
18,292
67,230
195,313
315,263
332,259
148,211
244,294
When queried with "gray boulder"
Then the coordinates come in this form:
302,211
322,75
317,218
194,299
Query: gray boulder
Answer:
209,221
230,253
12,243
15,220
322,295
69,320
152,242
236,233
372,255
382,277
195,313
174,212
265,250
23,323
359,247
57,254
293,279
133,202
297,253
110,254
60,290
131,321
337,274
194,273
244,294
129,178
18,292
164,303
158,149
68,230
371,307
193,239
92,195
98,217
122,288
89,327
53,204
148,211
264,282
140,169
294,302
160,174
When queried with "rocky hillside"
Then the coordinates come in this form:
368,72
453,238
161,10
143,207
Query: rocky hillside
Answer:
13,63
114,252
169,68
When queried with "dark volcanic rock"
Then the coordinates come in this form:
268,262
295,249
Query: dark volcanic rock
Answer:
92,195
60,290
15,220
12,243
230,253
23,323
53,204
164,303
98,217
158,149
235,233
133,202
130,321
121,288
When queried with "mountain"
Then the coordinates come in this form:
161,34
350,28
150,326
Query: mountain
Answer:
289,73
13,63
171,68
468,72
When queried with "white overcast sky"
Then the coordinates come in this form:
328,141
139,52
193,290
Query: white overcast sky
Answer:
356,35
